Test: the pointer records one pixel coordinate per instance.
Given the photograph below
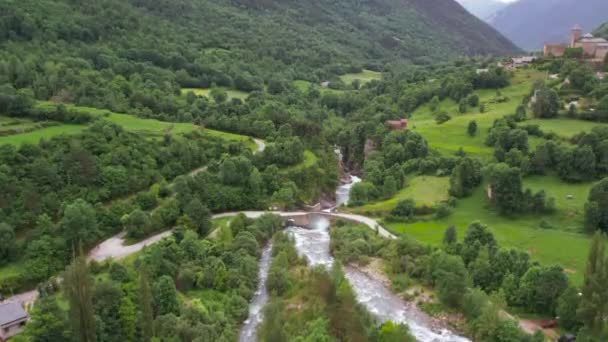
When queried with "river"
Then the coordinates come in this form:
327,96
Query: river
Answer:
313,243
256,307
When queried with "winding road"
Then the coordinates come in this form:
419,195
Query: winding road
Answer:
116,248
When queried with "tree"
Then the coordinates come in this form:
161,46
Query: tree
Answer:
567,305
200,216
405,209
462,106
361,193
540,288
286,196
128,318
146,317
465,177
596,215
473,100
593,309
434,104
451,280
8,246
79,224
506,188
472,128
78,286
389,187
450,236
107,300
392,332
166,296
137,224
546,104
481,271
48,322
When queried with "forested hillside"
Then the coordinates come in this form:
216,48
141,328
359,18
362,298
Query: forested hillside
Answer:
87,51
531,23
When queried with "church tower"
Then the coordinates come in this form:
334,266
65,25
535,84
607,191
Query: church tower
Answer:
577,33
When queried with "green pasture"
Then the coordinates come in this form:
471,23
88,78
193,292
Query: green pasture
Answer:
424,190
570,211
562,244
364,77
564,127
232,93
34,137
450,136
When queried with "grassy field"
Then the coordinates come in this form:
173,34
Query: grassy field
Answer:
425,190
232,93
561,245
147,127
570,212
564,127
450,136
364,77
34,137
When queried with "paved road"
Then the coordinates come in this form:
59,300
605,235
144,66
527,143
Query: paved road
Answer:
115,247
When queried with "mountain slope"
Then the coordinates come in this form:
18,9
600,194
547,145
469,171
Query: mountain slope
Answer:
602,31
531,23
483,9
136,55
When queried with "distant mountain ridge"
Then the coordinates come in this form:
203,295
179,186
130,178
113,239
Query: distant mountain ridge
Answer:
531,23
483,9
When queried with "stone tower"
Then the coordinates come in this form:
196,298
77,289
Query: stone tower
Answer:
577,33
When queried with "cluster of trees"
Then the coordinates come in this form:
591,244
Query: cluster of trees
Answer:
507,194
463,274
330,311
144,300
586,160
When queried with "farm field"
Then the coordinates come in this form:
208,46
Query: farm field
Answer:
232,93
425,190
450,136
364,77
561,244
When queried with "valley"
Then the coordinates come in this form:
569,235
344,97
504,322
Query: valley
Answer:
264,170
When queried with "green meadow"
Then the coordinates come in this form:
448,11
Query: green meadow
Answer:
450,136
547,238
147,127
364,77
425,190
555,238
35,136
232,93
564,127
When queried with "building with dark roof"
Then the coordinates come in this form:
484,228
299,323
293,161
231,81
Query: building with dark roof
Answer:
12,319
